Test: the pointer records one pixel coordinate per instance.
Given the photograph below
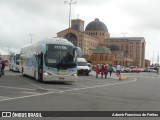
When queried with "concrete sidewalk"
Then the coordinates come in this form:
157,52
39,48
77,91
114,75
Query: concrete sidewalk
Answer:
114,76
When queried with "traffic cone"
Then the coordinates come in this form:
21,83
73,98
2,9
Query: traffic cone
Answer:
120,77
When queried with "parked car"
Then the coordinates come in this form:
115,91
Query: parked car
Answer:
136,70
122,69
151,69
90,67
145,70
127,69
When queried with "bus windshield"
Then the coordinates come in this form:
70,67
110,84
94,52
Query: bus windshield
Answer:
82,64
60,56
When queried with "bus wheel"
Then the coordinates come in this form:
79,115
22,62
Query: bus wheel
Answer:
35,75
23,72
87,73
40,79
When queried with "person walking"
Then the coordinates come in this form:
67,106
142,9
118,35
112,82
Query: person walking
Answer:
3,66
110,70
157,70
97,71
105,71
118,70
102,71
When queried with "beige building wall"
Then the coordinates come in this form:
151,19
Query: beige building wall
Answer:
84,41
137,52
147,63
123,45
101,59
77,24
134,49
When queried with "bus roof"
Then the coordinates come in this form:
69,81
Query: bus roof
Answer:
55,40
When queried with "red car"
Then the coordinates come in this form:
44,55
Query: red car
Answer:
136,70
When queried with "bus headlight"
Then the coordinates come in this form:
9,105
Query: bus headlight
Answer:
47,73
74,74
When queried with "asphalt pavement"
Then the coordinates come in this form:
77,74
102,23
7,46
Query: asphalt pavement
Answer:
138,93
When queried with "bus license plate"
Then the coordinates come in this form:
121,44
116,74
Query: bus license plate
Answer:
61,78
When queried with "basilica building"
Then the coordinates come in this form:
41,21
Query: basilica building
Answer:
99,48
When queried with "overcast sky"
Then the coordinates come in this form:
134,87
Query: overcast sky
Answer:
44,18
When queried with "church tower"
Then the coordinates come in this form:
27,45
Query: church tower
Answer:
77,24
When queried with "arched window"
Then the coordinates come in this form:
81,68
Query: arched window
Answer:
72,38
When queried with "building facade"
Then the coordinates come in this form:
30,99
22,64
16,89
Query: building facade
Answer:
124,50
133,47
147,63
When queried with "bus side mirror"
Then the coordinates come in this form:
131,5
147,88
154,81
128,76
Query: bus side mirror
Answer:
75,52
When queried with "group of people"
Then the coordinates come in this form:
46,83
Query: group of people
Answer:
103,70
2,66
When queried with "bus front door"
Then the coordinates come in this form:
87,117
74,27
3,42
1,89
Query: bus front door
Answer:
40,66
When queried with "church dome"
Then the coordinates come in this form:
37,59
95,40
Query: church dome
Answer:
102,49
96,25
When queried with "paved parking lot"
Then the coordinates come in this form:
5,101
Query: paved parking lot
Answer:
14,86
139,92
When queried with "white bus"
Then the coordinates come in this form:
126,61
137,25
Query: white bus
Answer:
14,61
52,59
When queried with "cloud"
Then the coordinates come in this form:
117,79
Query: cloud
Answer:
144,12
19,18
44,18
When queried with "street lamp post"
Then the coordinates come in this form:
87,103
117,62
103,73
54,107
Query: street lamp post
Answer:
70,5
124,33
31,35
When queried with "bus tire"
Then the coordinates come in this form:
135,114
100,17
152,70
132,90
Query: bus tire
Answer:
23,72
35,75
87,73
39,78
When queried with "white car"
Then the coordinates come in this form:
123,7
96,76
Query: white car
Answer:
127,69
82,66
151,70
90,67
122,69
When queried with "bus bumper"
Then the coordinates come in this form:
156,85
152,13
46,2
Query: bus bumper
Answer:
60,78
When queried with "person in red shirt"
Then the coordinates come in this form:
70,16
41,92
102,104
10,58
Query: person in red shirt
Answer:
102,71
97,71
106,71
